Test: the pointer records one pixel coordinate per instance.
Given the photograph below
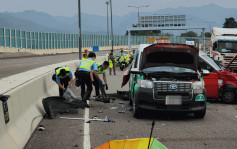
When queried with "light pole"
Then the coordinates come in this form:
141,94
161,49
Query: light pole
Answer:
138,8
112,34
107,3
210,24
79,24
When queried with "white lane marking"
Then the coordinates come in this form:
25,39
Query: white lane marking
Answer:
87,143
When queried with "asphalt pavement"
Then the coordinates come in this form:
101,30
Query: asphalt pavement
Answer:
13,66
174,130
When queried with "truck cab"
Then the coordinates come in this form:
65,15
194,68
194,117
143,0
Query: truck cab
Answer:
224,45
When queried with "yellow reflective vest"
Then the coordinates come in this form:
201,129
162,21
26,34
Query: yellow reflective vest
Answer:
59,75
100,69
86,64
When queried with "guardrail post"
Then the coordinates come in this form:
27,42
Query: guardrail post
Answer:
15,39
20,39
30,41
10,38
26,40
4,37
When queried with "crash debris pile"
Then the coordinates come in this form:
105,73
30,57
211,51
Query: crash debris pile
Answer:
55,105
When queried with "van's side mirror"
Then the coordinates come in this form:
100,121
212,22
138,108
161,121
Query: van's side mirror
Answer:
205,73
134,71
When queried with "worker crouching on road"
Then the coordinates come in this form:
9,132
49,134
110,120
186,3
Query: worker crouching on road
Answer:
85,71
64,79
97,81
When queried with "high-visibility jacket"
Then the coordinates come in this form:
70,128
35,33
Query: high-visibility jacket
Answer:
100,69
86,64
59,75
122,58
111,63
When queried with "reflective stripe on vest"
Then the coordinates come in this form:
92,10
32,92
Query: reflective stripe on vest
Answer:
86,64
100,69
60,76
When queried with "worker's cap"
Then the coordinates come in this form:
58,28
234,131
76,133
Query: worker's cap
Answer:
85,49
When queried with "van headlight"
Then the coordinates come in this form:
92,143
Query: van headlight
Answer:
197,87
145,83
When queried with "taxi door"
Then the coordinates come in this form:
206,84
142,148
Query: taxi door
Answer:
211,81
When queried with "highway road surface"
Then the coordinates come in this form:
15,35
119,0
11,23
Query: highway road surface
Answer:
13,66
175,130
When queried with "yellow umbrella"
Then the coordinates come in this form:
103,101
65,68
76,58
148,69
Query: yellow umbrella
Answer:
139,143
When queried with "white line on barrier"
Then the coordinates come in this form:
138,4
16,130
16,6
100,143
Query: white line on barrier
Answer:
87,143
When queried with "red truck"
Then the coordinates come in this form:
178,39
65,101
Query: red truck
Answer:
221,83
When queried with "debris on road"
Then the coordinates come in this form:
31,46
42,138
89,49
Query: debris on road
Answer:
114,108
123,95
128,108
41,128
121,112
95,118
54,105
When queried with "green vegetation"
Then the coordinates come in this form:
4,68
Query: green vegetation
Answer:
230,23
207,34
145,33
189,34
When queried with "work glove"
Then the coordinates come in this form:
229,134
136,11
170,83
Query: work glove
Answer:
100,82
106,87
65,90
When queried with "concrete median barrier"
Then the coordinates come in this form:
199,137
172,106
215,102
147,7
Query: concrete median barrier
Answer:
25,108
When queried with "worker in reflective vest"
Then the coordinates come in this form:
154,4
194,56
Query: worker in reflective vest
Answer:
86,68
97,81
63,79
112,62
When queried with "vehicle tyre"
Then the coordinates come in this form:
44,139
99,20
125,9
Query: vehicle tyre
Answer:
129,95
228,96
200,114
122,67
130,100
136,111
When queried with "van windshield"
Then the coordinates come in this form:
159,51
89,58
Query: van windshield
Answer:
171,69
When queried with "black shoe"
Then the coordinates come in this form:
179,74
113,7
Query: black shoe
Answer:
96,98
87,106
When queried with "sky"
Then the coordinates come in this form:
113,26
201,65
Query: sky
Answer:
69,8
